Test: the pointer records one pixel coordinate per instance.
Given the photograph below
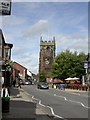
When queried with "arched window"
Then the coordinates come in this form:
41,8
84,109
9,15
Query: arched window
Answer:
48,48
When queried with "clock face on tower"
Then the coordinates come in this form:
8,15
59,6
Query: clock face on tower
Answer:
46,61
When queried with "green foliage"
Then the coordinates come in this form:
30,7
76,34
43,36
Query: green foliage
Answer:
42,77
68,64
7,65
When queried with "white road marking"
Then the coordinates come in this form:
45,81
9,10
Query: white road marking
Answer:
41,103
72,101
35,98
76,94
73,92
79,94
52,111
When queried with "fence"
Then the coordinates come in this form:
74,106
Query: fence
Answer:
78,87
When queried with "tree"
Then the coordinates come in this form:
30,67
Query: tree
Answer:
42,77
68,64
7,73
7,65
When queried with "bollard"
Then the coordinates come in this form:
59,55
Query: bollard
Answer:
5,104
5,99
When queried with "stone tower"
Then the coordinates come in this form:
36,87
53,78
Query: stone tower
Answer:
46,56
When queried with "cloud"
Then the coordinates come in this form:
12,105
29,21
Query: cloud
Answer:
18,50
83,29
13,20
38,28
50,0
29,60
72,42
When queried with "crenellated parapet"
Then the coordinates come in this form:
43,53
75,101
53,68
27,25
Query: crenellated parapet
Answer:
44,42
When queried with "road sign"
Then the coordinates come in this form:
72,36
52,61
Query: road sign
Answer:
86,64
5,7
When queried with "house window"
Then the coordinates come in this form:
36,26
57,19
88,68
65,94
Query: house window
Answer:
7,53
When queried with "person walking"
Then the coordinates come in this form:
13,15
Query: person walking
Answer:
14,83
19,83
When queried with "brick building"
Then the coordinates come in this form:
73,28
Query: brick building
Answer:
19,72
5,48
5,54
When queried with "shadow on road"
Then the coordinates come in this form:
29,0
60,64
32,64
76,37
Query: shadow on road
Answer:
20,109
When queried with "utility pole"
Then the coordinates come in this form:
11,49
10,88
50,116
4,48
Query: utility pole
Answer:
88,59
89,43
88,68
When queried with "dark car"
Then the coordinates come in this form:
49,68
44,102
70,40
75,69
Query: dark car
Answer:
42,85
22,82
32,82
28,83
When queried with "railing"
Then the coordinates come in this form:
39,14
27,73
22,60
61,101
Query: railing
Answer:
78,87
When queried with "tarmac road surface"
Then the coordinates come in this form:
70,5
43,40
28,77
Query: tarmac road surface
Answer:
62,104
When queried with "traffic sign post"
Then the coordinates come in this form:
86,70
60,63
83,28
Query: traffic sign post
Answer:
86,66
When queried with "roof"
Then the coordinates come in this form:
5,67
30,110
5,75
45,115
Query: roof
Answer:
2,37
3,40
20,65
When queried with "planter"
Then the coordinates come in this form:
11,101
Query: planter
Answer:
5,104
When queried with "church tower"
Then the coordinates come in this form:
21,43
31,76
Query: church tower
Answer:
46,56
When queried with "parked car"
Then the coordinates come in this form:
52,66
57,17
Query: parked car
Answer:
42,85
22,82
28,83
32,82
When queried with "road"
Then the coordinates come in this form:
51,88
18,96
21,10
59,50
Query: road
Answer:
61,104
0,107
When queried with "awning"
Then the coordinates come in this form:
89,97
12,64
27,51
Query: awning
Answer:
75,78
29,73
69,78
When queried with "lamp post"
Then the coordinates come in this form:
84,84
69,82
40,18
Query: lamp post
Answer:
86,69
89,68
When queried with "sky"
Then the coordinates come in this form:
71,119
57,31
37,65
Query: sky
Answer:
67,21
50,0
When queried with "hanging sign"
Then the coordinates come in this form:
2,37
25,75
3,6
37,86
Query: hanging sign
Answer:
5,7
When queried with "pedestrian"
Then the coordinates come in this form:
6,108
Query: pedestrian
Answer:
14,83
19,83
